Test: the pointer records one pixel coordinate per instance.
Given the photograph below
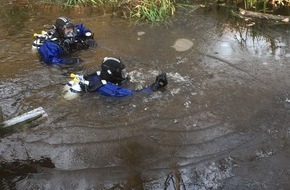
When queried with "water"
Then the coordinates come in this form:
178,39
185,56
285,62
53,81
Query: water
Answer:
223,108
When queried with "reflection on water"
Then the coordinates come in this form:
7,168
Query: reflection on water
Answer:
13,18
263,38
180,138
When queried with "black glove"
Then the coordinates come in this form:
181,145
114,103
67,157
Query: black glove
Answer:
161,81
66,44
90,42
84,87
92,86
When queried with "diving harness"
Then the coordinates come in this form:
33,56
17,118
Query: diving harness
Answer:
39,39
76,85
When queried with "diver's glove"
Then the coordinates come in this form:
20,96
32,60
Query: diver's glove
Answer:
90,42
92,85
84,86
66,44
160,82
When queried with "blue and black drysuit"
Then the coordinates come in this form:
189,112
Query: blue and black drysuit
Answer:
113,90
53,50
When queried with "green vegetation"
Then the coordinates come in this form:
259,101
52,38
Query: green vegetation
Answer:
160,10
153,10
266,6
75,2
148,10
257,5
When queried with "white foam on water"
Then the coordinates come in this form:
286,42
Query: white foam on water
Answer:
69,95
137,77
175,91
142,79
66,88
178,78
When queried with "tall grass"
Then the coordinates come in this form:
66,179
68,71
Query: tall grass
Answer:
153,10
78,2
265,5
148,10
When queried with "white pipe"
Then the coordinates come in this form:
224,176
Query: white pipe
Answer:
31,115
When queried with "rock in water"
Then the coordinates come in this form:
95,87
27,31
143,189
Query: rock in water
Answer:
182,44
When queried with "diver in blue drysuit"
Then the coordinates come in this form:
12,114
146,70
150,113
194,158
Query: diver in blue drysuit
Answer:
109,80
66,38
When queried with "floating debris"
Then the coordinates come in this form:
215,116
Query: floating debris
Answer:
28,116
285,20
140,33
264,154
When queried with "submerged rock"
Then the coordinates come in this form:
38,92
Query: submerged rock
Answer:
182,44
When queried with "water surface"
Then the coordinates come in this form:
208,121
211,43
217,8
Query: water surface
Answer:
221,123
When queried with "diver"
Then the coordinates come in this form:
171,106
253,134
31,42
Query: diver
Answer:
110,79
62,39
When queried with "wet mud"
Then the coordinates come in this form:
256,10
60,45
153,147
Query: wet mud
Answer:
221,123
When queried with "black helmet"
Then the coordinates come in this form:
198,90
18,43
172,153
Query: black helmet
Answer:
113,70
61,23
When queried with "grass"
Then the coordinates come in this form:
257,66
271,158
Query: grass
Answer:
148,10
161,10
265,5
79,2
153,10
76,2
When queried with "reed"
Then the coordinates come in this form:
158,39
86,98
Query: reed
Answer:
78,2
148,10
265,5
153,10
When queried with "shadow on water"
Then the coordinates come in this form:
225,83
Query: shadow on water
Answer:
12,172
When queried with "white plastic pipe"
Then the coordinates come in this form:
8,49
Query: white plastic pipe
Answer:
31,115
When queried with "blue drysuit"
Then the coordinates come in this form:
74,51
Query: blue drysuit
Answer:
110,89
52,51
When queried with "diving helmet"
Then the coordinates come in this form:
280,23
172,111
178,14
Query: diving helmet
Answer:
113,70
65,27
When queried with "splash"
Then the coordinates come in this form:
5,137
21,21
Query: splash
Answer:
178,78
137,76
68,94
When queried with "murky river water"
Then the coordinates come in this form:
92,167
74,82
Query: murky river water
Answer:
221,123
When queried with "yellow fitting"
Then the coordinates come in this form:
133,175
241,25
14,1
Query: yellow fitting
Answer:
76,80
72,75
